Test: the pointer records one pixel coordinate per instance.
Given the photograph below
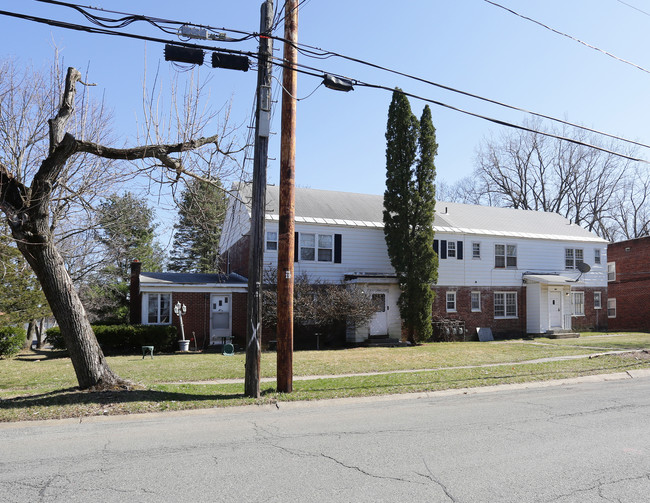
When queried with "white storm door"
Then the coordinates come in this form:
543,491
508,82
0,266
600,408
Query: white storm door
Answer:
379,321
555,309
220,318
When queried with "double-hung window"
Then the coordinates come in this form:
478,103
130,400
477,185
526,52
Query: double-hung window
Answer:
578,300
271,241
573,257
611,271
611,308
505,304
158,308
505,256
597,256
451,302
598,301
316,247
451,249
475,301
476,250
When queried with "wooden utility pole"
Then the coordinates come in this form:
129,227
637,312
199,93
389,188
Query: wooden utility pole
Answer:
258,205
286,236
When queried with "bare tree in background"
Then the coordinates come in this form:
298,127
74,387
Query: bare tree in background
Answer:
527,170
38,195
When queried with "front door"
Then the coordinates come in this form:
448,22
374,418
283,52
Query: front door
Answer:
220,330
555,309
379,321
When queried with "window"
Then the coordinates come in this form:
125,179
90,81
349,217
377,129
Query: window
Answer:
451,302
158,308
597,256
451,249
324,252
598,301
578,301
611,308
475,301
505,256
573,257
611,271
272,241
505,304
476,250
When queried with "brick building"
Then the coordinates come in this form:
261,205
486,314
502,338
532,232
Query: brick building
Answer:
628,276
216,304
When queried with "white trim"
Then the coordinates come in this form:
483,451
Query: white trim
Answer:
453,294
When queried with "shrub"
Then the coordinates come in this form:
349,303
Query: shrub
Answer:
12,340
124,338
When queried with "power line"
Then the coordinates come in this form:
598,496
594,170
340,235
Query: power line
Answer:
311,51
568,36
314,72
633,7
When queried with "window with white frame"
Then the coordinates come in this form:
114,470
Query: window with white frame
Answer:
318,247
451,249
271,241
158,308
578,301
475,301
573,257
476,250
505,304
611,308
451,302
611,271
505,256
597,256
598,300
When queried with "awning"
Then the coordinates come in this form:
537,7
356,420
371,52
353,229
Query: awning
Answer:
548,279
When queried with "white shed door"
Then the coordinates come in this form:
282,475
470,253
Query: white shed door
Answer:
379,321
220,318
555,309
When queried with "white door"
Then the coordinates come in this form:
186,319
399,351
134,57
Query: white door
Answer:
220,330
555,309
379,321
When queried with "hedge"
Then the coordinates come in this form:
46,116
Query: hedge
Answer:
12,340
121,339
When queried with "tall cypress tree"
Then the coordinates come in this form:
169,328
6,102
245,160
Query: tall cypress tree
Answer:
409,207
202,211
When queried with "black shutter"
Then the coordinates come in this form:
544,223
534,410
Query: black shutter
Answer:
337,248
443,248
435,246
296,247
459,250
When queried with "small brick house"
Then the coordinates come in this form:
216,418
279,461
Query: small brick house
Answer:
216,304
628,276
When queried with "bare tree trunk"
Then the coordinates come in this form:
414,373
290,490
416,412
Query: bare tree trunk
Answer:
40,340
87,357
31,328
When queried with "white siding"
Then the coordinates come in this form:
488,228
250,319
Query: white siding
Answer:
534,307
236,224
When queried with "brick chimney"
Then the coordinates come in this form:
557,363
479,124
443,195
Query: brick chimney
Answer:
135,308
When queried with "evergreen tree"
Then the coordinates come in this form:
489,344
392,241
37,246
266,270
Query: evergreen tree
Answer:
201,212
409,207
127,231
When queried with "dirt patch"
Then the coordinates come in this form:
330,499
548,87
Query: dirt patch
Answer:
644,355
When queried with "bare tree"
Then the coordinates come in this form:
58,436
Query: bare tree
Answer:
34,196
531,171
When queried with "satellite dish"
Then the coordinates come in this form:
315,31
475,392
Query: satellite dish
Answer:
583,267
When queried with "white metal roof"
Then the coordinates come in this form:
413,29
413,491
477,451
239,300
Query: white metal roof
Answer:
348,209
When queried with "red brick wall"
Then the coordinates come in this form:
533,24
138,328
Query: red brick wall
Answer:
484,318
594,319
631,289
235,259
197,317
239,318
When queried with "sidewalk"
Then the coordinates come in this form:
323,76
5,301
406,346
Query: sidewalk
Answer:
412,371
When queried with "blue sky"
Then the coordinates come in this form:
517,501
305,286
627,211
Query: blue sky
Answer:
466,44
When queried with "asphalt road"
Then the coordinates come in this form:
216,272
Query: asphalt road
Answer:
586,442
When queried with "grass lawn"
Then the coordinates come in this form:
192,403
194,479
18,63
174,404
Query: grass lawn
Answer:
43,385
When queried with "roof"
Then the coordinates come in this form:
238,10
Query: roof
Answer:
549,279
366,210
147,278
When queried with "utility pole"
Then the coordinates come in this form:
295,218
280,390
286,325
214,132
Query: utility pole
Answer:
286,234
258,206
